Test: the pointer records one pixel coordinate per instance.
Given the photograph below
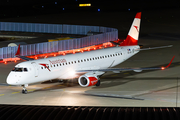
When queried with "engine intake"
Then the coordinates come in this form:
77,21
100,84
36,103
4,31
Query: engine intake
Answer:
85,81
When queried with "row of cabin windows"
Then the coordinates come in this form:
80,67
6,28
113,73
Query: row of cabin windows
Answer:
88,59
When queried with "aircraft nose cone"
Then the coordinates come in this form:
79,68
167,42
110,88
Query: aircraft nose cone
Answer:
10,79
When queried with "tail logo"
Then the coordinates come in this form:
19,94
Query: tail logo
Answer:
136,28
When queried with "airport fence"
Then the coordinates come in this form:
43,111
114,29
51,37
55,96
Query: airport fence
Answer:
105,34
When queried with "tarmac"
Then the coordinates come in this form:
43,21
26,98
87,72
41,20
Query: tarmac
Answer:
157,88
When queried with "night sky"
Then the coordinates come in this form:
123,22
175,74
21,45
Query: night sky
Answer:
18,8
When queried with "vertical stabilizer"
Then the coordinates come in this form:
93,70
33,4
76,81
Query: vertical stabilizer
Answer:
133,35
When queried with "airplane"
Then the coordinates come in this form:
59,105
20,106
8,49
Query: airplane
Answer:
88,67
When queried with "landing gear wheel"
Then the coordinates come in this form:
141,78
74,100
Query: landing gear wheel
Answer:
98,83
24,91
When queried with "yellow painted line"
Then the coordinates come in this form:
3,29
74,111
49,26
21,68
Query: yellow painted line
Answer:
126,73
1,94
31,90
15,92
46,87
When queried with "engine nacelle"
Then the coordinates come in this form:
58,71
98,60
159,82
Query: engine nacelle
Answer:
86,81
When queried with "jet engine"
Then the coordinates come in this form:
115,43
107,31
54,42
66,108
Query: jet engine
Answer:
86,81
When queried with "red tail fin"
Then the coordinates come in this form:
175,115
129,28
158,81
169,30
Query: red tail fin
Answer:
132,38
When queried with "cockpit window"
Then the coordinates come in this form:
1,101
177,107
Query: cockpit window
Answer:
16,69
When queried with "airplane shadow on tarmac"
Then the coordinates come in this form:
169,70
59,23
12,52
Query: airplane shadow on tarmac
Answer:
116,79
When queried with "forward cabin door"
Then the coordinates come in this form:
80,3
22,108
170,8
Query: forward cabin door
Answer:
36,70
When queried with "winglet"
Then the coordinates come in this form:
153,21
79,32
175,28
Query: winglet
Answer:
18,51
168,64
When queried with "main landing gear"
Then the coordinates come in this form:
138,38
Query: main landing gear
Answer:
98,83
24,91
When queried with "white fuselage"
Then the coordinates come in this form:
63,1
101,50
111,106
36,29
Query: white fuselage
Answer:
65,67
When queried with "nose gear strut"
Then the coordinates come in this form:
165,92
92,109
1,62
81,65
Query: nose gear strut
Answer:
24,91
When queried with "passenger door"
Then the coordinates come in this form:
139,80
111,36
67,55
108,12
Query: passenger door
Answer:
36,70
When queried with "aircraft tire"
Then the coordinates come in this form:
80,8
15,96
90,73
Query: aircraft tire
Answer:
98,83
24,91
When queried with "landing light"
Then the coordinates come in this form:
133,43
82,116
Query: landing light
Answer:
162,68
72,73
5,62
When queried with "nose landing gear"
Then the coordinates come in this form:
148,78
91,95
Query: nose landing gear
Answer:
24,91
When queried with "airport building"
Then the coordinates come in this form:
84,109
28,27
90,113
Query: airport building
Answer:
90,36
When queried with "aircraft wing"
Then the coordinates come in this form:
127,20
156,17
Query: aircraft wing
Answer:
126,69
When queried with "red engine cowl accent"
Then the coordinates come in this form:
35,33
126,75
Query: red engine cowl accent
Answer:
85,81
92,81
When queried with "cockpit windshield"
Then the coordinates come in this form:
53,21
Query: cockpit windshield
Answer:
16,69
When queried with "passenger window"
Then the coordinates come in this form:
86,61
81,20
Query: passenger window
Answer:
69,63
41,67
85,60
57,64
81,60
54,65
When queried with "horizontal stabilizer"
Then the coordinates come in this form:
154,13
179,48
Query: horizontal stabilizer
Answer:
154,48
22,57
